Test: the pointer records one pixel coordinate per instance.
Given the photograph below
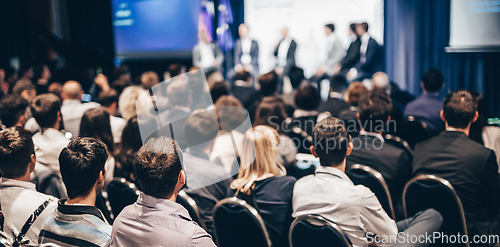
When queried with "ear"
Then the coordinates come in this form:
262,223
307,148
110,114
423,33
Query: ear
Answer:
182,179
357,116
114,105
32,163
25,94
313,151
102,177
442,116
349,149
476,116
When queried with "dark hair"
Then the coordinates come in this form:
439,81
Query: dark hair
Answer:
296,76
119,71
131,143
476,128
44,109
271,112
24,68
22,85
352,26
230,112
219,89
331,141
355,92
16,148
365,26
459,108
106,98
242,75
307,97
157,167
433,80
201,128
374,110
330,26
95,123
11,109
268,83
81,162
338,83
38,72
174,69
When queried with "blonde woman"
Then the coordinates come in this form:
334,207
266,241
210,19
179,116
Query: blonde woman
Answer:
263,178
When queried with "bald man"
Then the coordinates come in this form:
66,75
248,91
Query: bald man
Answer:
381,81
72,108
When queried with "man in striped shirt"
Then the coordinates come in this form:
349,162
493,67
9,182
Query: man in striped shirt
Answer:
76,221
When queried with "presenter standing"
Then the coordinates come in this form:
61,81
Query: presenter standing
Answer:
206,54
285,53
246,53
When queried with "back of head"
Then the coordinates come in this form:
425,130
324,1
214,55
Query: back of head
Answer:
230,112
433,80
201,128
21,86
296,76
364,26
352,27
55,88
45,108
128,99
380,80
355,92
268,83
149,79
95,123
120,71
174,69
72,90
331,27
242,75
331,141
459,108
16,148
128,147
218,89
271,112
157,167
307,97
178,93
11,109
338,83
374,110
81,163
107,98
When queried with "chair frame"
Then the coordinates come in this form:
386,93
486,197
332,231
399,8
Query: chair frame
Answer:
381,179
445,183
238,202
398,139
128,184
182,194
317,221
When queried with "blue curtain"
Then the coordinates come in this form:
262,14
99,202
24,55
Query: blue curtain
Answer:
416,33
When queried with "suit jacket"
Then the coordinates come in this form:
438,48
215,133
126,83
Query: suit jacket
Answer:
427,108
218,56
335,54
374,59
352,56
254,53
290,56
333,105
471,168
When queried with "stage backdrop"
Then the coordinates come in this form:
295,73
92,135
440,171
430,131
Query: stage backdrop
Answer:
306,21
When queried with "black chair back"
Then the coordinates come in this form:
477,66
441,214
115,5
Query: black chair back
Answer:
102,203
429,191
413,131
398,142
190,205
314,230
367,176
121,193
236,223
303,166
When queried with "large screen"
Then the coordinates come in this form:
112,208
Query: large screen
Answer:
155,28
474,25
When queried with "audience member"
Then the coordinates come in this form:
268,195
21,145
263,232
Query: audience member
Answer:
219,89
24,88
260,177
109,100
72,108
427,107
128,100
243,88
25,71
380,81
12,109
353,52
353,94
271,112
268,87
174,70
370,148
335,104
55,88
156,219
122,78
18,198
76,221
126,150
149,79
41,77
354,208
471,168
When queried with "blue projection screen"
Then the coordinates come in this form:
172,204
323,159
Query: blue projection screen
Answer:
155,28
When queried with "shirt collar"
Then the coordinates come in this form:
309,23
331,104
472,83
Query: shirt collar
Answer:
377,135
336,95
162,204
7,182
303,113
365,37
72,102
64,208
334,172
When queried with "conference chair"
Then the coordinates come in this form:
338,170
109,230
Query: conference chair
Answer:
236,223
314,230
413,131
121,193
429,191
306,165
372,179
398,142
102,203
190,205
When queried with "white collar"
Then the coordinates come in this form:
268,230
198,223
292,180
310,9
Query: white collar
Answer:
365,37
7,182
72,102
336,95
303,113
377,135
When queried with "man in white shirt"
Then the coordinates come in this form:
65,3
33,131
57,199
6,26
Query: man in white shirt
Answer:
207,54
331,194
109,100
246,52
285,53
18,197
72,108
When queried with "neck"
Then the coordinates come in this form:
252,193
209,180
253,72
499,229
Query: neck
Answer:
341,167
88,200
24,178
173,197
465,131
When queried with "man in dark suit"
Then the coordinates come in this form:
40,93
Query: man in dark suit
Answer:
471,168
335,103
371,57
352,55
285,53
427,107
246,52
371,150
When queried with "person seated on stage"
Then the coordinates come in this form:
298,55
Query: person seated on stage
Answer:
262,177
156,219
371,57
18,197
354,208
12,109
353,53
335,53
207,54
427,107
243,88
471,168
335,103
371,149
285,53
76,221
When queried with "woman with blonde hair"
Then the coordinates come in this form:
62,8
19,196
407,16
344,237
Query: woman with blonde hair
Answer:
262,180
